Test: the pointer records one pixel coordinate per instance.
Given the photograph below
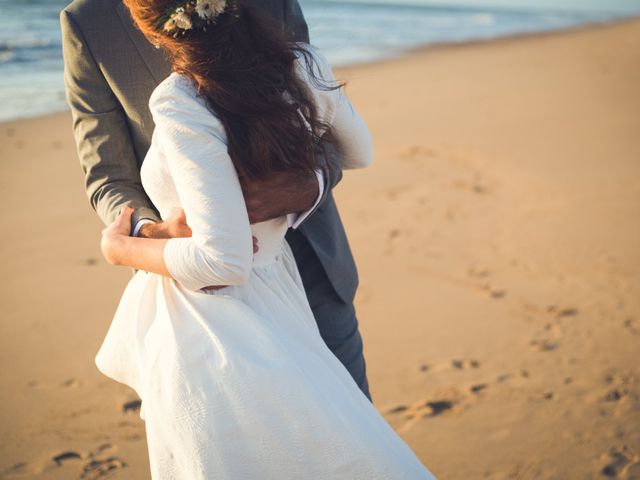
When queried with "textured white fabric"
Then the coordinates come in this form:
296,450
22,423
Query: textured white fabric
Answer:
237,383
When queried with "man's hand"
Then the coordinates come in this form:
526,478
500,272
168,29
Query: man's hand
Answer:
173,227
280,194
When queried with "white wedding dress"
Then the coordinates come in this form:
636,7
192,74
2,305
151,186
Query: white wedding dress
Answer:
237,383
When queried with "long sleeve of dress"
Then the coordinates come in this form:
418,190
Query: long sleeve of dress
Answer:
193,141
348,129
351,135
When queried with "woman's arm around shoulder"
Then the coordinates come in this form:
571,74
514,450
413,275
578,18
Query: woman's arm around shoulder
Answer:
348,129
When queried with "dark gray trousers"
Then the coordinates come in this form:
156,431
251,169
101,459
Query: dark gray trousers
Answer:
336,319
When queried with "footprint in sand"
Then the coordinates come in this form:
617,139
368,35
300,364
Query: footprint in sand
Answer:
64,457
446,402
421,409
465,364
416,151
475,186
621,463
492,291
427,409
482,274
615,394
478,272
392,236
96,469
552,311
554,329
543,345
550,340
568,312
456,364
71,383
54,462
97,464
132,406
631,325
19,470
478,388
393,233
496,293
395,192
68,383
513,378
563,312
620,385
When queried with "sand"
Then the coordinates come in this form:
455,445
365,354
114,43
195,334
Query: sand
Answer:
497,236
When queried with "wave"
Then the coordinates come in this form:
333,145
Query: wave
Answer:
6,56
349,31
29,50
620,7
27,43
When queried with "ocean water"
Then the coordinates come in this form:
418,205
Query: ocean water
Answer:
349,32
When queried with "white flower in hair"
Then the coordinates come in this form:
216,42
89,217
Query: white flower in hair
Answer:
169,25
181,20
209,9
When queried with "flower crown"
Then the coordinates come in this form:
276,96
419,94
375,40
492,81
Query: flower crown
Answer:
183,15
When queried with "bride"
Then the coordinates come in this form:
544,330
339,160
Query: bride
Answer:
219,341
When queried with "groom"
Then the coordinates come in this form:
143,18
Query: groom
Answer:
110,72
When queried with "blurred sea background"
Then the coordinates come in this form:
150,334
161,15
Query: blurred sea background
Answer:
349,31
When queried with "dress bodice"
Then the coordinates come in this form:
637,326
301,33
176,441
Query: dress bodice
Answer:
160,187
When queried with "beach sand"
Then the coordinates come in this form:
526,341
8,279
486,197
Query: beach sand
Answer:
498,241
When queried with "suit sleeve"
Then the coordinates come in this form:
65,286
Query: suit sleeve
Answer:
295,25
193,143
112,177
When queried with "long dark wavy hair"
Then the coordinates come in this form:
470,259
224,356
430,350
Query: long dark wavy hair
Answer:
244,68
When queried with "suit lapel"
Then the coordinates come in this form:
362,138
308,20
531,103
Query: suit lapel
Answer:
154,58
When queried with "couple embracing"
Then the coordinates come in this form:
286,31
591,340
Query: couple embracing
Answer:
238,329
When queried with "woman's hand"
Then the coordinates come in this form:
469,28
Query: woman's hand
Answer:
113,235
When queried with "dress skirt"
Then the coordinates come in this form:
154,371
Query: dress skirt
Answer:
237,384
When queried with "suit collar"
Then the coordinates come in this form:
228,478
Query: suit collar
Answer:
154,58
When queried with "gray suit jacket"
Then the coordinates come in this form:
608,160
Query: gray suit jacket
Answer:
110,72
